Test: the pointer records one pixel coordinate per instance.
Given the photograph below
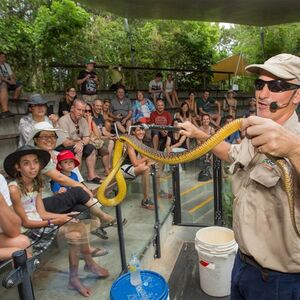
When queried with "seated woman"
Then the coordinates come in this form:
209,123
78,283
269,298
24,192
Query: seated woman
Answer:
230,104
67,101
169,89
11,239
175,139
107,115
104,147
24,166
192,103
135,165
142,108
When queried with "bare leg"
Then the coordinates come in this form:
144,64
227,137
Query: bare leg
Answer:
10,245
146,183
175,97
110,149
4,97
120,127
155,141
106,163
90,165
98,212
17,92
167,95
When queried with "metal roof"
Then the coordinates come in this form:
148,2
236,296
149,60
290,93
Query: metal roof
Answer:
247,12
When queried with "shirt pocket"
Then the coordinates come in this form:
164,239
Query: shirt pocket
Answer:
268,177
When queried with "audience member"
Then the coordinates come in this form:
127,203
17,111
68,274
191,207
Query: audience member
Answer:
25,164
156,87
169,89
121,110
142,108
8,82
96,139
78,140
206,105
135,164
251,110
234,138
107,115
11,239
230,104
37,107
160,117
67,101
88,81
175,139
184,113
192,103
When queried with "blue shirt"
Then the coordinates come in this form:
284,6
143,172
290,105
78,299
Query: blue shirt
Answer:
233,137
55,186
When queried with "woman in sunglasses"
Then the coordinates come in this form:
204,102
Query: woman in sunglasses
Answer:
267,265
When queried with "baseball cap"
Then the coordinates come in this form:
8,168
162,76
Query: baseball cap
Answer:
284,66
90,61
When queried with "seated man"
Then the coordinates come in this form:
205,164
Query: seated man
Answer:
78,138
10,238
160,117
8,82
142,108
206,105
156,87
121,110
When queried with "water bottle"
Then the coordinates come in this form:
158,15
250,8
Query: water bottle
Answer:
135,270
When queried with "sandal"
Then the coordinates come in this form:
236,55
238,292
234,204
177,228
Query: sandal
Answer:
96,253
148,204
96,180
112,223
100,233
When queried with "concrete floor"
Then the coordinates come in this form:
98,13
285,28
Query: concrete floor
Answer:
51,278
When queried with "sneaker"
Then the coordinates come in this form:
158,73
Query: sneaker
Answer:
6,114
148,204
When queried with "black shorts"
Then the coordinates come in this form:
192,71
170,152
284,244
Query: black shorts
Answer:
87,149
73,199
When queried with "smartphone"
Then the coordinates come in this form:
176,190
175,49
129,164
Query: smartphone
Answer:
49,110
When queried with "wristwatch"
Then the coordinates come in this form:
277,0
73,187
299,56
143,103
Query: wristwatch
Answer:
50,224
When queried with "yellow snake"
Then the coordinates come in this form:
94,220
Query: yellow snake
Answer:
183,157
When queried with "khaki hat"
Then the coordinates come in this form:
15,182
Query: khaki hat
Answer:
45,126
284,66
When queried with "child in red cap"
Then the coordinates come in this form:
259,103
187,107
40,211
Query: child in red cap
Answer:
66,163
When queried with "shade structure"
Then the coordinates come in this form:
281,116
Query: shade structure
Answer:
234,64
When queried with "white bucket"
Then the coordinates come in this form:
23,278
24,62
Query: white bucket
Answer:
216,249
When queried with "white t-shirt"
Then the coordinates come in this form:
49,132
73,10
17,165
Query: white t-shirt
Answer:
4,192
5,70
156,86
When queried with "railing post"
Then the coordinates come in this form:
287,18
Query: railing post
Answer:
21,275
121,239
176,192
217,179
156,241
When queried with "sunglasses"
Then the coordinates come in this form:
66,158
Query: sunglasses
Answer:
87,110
275,86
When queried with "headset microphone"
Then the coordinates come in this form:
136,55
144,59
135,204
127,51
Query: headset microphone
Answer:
274,106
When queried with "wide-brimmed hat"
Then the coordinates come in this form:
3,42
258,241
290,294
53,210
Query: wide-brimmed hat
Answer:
64,155
90,61
284,66
11,160
37,99
45,126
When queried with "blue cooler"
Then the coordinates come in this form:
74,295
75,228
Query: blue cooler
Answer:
154,287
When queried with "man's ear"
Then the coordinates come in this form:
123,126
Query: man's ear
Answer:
296,98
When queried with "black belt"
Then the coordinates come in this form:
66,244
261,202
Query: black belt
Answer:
251,261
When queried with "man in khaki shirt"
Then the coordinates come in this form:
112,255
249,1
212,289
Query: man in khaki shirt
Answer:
268,263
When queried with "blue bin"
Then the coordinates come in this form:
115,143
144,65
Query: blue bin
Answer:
154,286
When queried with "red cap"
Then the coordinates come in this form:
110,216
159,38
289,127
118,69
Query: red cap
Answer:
66,154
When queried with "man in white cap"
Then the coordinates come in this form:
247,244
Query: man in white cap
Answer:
267,265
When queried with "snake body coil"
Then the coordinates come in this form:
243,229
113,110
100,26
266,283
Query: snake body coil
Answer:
183,157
